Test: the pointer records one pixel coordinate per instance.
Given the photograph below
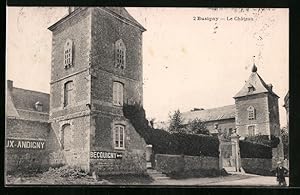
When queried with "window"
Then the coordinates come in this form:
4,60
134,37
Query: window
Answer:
251,113
66,137
68,54
120,54
251,130
118,94
38,106
68,88
119,136
230,131
251,88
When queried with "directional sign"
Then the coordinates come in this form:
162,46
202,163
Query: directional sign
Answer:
25,144
105,155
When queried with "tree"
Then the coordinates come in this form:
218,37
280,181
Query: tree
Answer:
285,141
176,123
152,120
197,126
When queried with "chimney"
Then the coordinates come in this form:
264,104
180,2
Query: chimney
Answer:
197,109
10,85
270,86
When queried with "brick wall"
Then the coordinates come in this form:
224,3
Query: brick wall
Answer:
261,122
79,138
176,163
106,30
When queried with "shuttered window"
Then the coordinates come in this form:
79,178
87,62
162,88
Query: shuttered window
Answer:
118,93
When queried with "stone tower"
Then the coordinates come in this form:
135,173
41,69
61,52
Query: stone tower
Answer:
257,108
257,111
96,68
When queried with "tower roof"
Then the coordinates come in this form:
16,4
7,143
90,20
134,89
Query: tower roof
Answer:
255,85
118,12
121,11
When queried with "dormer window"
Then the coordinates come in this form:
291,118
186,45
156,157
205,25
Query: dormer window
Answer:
68,57
251,113
38,106
251,88
120,54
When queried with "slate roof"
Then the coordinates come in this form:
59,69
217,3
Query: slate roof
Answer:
21,104
258,83
25,99
220,113
119,11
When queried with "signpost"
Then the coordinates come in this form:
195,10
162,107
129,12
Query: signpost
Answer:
105,155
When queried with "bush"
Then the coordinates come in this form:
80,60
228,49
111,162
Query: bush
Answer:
264,139
166,143
254,150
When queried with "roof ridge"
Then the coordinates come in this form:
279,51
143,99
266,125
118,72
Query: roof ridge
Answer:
30,90
231,105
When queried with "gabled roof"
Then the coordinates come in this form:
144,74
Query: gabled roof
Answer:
11,110
220,113
257,82
122,12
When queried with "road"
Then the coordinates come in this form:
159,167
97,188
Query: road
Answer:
231,180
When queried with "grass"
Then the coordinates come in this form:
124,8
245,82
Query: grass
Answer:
128,179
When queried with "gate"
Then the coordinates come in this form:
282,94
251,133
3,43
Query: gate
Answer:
229,155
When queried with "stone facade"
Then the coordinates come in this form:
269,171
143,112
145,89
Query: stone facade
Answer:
92,114
29,159
255,93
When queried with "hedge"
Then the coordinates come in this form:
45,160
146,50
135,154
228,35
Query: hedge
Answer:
166,143
254,150
264,139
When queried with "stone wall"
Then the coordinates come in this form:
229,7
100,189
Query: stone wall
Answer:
133,156
25,159
223,125
177,163
258,166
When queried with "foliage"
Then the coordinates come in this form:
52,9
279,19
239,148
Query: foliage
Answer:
164,142
197,126
264,139
285,141
176,125
254,150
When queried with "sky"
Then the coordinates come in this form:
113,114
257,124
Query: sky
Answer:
192,57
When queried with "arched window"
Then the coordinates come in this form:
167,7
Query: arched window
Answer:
68,93
120,54
66,137
251,113
119,136
68,57
118,93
